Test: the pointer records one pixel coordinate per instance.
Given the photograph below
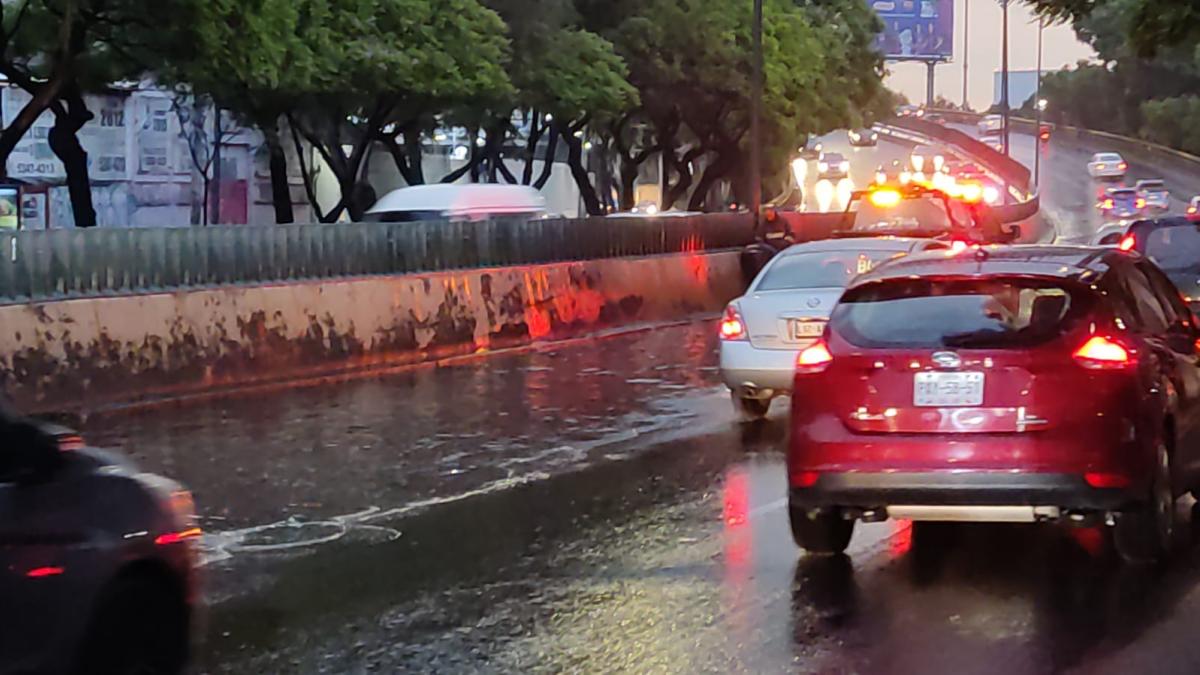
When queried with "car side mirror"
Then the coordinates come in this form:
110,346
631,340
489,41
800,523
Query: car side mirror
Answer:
28,455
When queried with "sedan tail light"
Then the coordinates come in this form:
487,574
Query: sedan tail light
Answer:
1106,204
1101,353
1140,203
813,359
1122,166
732,326
1127,243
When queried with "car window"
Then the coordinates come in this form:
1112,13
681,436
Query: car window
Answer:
1151,315
989,312
820,269
1176,309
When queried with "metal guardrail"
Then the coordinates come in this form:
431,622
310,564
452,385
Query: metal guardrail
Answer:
64,264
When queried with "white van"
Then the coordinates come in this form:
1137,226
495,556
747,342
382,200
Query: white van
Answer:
467,201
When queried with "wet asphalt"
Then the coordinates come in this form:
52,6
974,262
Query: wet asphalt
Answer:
593,506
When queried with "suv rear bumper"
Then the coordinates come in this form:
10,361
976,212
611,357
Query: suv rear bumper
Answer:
982,488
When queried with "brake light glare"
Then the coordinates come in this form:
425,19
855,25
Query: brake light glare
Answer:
43,572
732,326
1100,353
1122,166
1108,204
1099,479
1140,203
813,359
1127,243
176,537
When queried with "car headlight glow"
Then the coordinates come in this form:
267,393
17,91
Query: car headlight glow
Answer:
822,166
844,166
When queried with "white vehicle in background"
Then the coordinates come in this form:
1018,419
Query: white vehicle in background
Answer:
833,166
1107,165
470,201
991,125
1154,193
926,160
786,309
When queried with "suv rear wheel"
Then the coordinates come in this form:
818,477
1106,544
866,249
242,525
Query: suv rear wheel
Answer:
820,532
1144,536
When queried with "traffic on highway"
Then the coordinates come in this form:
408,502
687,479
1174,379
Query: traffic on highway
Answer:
906,420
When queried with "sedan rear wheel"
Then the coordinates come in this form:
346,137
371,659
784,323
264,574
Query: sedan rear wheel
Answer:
751,409
820,532
1145,536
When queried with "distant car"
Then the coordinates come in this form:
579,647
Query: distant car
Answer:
1121,204
811,148
785,310
1036,384
97,559
893,173
1173,244
833,166
471,201
991,125
926,159
1193,209
863,137
1107,165
1155,194
1110,234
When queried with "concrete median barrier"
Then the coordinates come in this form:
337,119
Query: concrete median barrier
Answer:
95,352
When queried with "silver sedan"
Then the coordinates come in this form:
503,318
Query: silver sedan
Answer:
786,309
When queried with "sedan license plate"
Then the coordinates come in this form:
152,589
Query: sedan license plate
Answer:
805,329
947,390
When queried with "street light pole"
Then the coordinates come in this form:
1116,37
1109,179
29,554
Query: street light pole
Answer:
966,46
1038,105
1004,76
756,95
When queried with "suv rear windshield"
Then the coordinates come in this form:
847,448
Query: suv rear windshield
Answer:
992,312
821,269
1174,249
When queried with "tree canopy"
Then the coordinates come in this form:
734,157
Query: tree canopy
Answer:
611,83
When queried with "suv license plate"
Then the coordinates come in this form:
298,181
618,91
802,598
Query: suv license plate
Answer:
947,390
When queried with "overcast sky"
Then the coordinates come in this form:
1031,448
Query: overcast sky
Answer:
1059,48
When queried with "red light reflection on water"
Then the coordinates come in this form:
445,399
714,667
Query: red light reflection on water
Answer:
901,540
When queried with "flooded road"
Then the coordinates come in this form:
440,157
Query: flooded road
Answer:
679,560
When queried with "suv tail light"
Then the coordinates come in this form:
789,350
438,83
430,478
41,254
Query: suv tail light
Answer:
1101,353
732,326
1127,243
813,359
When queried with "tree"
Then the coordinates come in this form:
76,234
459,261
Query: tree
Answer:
690,61
411,57
57,50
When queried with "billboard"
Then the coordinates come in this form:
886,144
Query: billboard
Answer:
915,29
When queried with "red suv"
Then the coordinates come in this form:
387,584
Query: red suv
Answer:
1015,384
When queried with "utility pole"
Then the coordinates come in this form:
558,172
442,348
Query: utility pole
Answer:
1004,112
966,46
1038,105
929,83
756,95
